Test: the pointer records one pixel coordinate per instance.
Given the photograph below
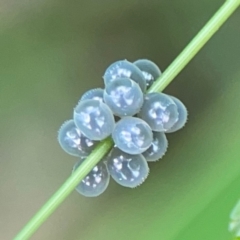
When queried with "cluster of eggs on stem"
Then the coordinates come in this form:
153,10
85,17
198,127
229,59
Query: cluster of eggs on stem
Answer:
136,120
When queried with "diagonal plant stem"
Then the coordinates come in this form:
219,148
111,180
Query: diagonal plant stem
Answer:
196,44
103,148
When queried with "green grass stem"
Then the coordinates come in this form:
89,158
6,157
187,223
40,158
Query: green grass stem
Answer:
103,148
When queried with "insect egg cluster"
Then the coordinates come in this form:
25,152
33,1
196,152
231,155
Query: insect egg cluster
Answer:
136,120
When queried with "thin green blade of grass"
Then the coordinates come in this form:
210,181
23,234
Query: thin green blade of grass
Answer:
104,147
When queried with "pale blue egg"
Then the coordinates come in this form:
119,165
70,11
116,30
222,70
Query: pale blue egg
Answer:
150,70
132,135
127,170
96,181
72,140
159,111
158,147
124,69
124,97
94,119
182,116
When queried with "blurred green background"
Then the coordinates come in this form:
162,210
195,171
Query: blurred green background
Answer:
53,51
